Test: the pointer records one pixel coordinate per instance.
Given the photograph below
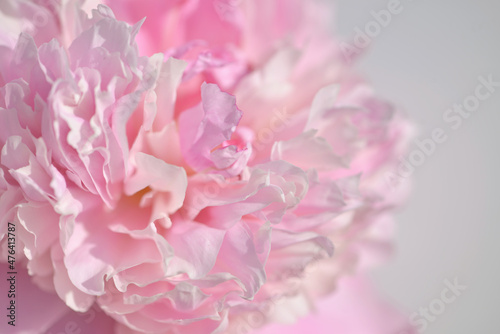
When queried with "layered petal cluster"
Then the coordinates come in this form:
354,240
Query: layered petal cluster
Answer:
183,173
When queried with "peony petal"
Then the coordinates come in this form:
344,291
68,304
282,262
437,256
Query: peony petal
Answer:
196,248
218,117
307,151
160,176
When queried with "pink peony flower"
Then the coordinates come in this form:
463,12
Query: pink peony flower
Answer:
238,162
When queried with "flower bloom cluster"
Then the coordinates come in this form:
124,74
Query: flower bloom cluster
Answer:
184,172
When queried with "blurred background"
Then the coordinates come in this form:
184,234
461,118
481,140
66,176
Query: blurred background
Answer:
427,57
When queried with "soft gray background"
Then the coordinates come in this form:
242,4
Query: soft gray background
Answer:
425,60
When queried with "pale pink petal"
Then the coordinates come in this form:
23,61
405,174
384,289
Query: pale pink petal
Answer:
217,117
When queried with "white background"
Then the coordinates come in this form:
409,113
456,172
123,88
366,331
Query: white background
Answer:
427,59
